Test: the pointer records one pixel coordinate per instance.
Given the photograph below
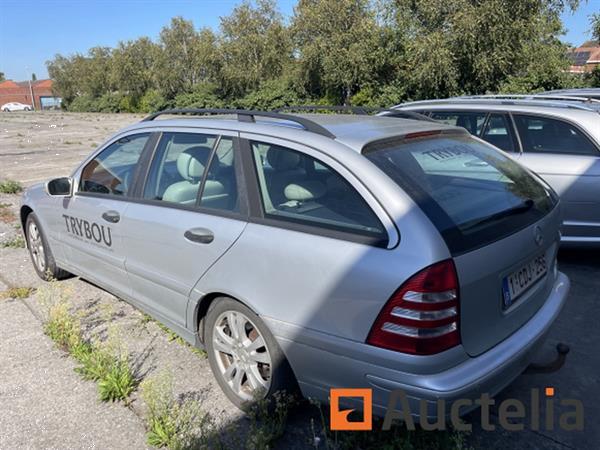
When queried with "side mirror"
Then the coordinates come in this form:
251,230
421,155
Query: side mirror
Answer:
60,187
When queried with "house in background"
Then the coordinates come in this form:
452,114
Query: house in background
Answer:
585,58
20,91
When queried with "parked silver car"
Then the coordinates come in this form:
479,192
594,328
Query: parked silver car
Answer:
557,139
319,250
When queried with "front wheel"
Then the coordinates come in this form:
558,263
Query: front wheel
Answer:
6,110
41,255
243,354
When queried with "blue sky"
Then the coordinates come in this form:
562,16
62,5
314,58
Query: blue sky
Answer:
31,32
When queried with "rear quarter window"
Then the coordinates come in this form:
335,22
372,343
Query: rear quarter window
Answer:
473,193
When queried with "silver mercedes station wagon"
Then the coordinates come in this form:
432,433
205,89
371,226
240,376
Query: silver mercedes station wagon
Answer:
316,251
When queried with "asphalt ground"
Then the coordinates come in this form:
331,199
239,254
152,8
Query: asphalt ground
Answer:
45,404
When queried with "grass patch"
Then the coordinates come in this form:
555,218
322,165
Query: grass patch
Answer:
106,364
15,242
177,425
17,292
10,187
268,420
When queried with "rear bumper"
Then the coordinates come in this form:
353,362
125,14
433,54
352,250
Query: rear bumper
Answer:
322,365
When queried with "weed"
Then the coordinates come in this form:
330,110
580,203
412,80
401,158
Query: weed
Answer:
171,423
17,292
14,242
6,214
63,327
10,187
119,382
267,420
107,364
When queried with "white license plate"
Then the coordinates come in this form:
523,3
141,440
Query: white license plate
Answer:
516,283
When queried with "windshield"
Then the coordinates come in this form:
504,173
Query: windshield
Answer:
472,192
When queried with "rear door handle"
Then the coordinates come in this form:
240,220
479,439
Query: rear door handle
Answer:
111,216
199,235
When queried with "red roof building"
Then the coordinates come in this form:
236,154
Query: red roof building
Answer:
585,58
43,98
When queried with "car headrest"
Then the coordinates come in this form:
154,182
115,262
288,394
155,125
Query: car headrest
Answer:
303,191
192,161
281,159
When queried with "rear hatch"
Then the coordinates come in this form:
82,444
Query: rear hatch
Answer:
499,221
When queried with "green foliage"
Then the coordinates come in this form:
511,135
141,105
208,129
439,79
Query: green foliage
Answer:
152,101
361,52
118,382
105,364
171,423
15,242
267,421
270,95
204,95
10,187
17,292
594,77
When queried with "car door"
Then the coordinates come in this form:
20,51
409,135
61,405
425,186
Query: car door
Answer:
562,154
187,216
92,228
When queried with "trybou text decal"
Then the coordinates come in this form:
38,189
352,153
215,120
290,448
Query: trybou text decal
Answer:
90,231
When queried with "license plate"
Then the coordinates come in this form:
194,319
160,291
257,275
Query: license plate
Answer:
516,283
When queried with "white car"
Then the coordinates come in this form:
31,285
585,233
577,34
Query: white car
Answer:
16,106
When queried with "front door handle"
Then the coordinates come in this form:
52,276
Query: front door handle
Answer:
111,216
200,235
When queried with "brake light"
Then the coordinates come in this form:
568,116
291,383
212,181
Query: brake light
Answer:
422,316
420,134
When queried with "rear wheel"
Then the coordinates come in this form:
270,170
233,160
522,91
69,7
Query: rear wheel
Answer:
41,255
243,354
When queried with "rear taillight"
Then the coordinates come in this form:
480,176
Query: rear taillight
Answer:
422,316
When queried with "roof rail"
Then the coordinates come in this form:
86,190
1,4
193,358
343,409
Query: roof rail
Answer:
569,98
508,101
359,110
247,116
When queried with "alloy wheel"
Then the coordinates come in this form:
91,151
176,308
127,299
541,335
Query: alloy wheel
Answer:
242,355
36,246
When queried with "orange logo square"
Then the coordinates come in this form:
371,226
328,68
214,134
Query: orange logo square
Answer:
339,419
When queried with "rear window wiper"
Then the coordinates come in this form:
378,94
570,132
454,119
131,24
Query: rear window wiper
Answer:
518,209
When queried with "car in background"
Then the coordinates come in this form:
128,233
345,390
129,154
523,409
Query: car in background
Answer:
316,251
556,138
589,93
15,106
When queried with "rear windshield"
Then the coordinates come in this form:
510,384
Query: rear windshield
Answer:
472,192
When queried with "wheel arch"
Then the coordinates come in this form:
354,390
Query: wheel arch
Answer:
203,304
23,214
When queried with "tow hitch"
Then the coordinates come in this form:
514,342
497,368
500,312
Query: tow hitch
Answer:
552,366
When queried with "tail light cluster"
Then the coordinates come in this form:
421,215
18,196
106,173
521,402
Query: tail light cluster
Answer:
422,317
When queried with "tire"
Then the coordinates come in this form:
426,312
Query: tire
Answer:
249,361
40,253
6,110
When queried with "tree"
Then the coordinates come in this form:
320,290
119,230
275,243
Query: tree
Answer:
186,57
339,47
133,66
255,47
2,77
474,46
595,25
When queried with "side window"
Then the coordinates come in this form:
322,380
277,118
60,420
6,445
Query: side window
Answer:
297,188
544,135
220,188
498,132
472,121
111,171
178,167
